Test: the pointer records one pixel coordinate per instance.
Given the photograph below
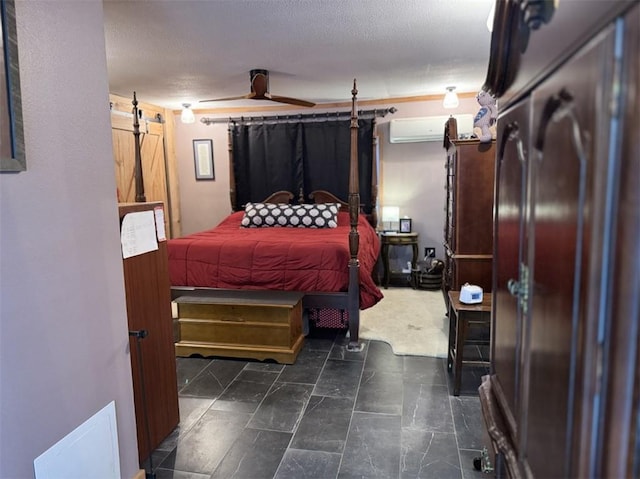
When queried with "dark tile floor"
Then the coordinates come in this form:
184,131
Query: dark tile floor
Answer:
332,414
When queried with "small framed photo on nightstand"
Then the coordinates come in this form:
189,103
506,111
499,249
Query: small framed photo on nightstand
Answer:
405,225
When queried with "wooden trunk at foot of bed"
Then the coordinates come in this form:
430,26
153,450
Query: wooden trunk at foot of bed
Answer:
263,325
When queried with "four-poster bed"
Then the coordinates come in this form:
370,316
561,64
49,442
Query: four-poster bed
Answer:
331,266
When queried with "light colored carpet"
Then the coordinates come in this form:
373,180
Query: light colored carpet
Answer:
413,322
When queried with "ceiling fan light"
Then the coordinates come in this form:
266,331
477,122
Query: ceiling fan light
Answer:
187,115
450,98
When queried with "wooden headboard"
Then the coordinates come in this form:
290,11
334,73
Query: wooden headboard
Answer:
280,197
317,197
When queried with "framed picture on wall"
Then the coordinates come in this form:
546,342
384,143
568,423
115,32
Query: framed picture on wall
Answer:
405,225
203,159
12,156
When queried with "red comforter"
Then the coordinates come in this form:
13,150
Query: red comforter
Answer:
291,259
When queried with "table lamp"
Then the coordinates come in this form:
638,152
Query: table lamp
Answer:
390,215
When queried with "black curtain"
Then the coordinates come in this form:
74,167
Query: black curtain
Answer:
266,158
300,156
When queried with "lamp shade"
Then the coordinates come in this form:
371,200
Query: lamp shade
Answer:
450,98
390,214
187,115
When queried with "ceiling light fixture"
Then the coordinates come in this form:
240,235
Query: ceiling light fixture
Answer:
450,98
187,115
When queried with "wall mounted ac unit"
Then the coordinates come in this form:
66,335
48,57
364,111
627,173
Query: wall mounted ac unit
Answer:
428,128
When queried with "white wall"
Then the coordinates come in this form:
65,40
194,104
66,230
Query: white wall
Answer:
204,203
412,175
63,327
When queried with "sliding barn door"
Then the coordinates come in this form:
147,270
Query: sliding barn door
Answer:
157,180
153,166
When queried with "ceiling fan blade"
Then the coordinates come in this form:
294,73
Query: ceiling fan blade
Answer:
290,101
260,91
241,97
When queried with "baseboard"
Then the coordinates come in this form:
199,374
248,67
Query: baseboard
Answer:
141,474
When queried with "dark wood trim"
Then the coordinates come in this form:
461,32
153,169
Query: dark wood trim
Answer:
496,429
280,197
322,196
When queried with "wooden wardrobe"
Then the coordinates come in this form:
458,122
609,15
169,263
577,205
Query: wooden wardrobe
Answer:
562,399
468,229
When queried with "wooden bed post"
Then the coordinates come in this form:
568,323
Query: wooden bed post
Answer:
353,306
137,168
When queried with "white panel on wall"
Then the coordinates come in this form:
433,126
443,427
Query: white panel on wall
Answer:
90,450
428,128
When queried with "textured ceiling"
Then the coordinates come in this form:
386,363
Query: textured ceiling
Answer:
183,51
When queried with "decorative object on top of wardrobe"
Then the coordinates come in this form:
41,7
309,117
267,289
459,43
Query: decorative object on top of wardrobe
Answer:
260,91
484,123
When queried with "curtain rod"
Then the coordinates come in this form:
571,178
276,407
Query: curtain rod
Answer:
337,115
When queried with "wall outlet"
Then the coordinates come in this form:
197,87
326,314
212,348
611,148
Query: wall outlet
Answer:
429,252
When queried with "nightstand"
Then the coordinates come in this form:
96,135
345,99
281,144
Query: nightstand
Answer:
396,239
463,317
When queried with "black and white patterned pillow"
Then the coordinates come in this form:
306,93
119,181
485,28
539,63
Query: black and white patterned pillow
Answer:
261,215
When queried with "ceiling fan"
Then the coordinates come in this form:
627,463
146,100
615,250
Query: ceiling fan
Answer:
260,91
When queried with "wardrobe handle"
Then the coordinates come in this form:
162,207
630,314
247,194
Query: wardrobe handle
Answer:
511,131
555,107
514,287
520,288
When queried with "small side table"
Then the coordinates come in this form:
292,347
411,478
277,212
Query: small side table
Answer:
462,317
397,239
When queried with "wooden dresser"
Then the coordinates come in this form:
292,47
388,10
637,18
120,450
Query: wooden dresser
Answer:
148,298
468,230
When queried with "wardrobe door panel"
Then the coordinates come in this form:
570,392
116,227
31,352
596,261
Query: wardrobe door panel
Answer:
509,244
473,208
564,199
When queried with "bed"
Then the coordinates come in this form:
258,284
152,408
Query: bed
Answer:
332,266
231,256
